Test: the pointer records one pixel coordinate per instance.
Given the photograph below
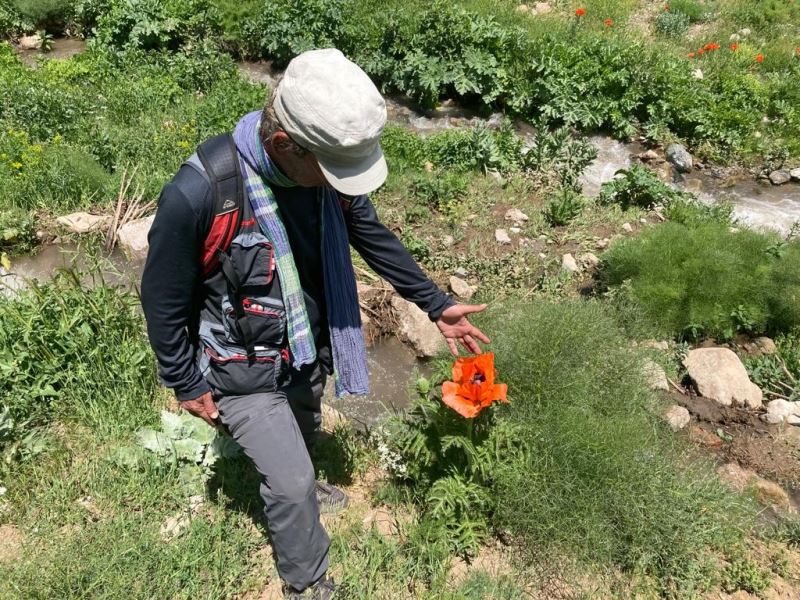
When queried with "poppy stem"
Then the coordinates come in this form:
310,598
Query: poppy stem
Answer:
470,423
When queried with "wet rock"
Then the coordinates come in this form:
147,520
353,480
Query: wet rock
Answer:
516,216
664,172
132,237
461,288
83,222
677,417
780,410
795,174
656,376
30,42
501,237
780,177
568,263
679,157
740,479
416,329
627,228
589,260
648,156
694,186
721,376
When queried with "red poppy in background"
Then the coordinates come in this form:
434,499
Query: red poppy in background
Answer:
691,54
759,58
579,12
734,47
608,22
473,387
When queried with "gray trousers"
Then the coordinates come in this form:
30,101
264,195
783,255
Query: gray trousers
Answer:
273,430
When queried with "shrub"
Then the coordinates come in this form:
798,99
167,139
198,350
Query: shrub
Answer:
564,209
708,280
672,23
441,191
570,466
558,155
50,15
638,186
76,352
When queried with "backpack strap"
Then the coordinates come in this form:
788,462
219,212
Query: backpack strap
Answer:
220,161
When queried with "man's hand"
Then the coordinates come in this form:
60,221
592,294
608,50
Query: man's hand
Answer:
202,407
454,326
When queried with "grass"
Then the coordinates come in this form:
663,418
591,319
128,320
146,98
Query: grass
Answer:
707,280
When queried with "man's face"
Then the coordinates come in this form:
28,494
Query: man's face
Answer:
303,170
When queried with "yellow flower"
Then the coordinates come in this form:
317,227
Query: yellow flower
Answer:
16,165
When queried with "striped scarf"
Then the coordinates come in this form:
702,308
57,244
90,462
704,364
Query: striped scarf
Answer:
344,318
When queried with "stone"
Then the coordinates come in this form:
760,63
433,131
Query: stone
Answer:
516,216
501,236
543,8
697,73
744,32
428,167
656,376
461,272
664,172
677,417
740,479
132,237
30,42
461,288
82,222
721,376
643,221
766,345
448,240
589,260
416,329
779,410
793,420
542,255
514,230
647,156
680,158
568,263
662,345
780,177
603,244
795,174
627,228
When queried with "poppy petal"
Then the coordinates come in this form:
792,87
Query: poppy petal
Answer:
452,398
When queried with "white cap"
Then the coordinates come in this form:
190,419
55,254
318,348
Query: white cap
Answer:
328,105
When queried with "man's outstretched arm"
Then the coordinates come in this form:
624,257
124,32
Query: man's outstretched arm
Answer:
386,254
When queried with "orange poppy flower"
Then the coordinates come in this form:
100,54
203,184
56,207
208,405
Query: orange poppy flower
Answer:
473,387
691,54
759,58
734,47
579,12
608,22
700,52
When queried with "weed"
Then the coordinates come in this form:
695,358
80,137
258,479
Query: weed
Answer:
564,208
440,191
638,186
743,574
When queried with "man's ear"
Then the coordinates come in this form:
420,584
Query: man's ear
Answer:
281,142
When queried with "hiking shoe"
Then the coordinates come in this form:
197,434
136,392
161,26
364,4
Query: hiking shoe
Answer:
323,589
330,498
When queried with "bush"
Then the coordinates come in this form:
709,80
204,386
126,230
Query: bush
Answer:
564,209
17,232
50,15
672,23
709,281
638,186
571,466
76,352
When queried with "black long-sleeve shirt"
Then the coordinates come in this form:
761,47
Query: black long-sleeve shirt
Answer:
172,288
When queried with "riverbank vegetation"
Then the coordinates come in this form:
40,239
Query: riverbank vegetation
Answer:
577,488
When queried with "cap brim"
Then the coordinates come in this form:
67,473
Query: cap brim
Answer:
356,179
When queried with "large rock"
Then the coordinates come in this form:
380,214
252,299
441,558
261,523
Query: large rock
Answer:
83,222
416,329
721,376
589,260
795,174
680,158
568,263
780,177
30,42
516,216
132,237
501,236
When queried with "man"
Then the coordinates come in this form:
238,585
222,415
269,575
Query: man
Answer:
247,334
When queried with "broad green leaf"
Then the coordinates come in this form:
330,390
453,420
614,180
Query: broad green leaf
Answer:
153,440
188,449
172,425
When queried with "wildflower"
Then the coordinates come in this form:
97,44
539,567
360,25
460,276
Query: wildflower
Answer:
759,58
691,54
579,12
608,22
473,387
700,52
734,47
16,165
